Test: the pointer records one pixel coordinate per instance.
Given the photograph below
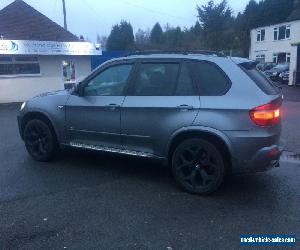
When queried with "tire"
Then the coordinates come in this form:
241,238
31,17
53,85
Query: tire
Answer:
40,140
198,166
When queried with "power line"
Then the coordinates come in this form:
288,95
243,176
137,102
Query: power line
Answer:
156,11
92,10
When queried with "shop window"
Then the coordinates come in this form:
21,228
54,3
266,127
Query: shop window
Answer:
68,71
5,59
14,66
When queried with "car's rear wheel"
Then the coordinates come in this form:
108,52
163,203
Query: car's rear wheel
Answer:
198,166
40,140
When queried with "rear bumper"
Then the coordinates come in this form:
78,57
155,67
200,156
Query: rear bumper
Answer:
265,159
257,150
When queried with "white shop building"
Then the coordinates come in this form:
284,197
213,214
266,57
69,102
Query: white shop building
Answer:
37,55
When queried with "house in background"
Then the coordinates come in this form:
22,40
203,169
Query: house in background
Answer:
279,43
37,55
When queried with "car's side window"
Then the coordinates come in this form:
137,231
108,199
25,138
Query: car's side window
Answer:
185,86
156,79
110,82
211,80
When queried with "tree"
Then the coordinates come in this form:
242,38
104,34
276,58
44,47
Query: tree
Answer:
142,39
196,29
216,21
172,38
102,40
156,34
217,29
121,37
266,12
275,11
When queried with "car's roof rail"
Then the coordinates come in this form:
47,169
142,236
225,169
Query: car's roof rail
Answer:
181,52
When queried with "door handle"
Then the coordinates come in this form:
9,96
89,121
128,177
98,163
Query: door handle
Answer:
185,107
113,106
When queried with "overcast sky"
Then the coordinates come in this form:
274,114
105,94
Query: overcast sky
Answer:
92,17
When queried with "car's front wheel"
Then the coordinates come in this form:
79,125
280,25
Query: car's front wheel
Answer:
40,140
198,166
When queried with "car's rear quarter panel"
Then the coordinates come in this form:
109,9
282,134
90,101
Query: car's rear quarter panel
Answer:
229,114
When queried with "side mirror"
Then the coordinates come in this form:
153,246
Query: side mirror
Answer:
69,85
78,89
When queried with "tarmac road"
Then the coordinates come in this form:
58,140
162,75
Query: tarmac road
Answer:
84,200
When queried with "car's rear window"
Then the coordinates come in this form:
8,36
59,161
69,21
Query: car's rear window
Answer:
211,80
260,79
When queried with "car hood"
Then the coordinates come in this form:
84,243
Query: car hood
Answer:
57,92
46,101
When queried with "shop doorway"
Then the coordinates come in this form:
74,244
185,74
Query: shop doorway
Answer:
69,74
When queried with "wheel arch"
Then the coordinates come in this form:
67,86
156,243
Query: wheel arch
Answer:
219,139
36,115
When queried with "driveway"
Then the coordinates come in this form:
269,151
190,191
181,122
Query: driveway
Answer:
85,200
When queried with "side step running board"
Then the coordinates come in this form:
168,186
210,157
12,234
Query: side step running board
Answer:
113,150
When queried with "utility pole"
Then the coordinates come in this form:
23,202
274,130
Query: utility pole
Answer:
65,15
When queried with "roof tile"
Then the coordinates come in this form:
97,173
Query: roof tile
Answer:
20,21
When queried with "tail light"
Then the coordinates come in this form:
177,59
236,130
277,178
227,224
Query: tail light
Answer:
266,115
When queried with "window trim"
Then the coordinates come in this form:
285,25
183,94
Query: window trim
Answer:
259,35
288,56
275,56
14,62
260,56
86,81
277,28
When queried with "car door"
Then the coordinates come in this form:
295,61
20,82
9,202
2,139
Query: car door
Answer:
93,117
161,99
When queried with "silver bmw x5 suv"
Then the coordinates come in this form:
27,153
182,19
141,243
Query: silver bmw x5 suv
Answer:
204,114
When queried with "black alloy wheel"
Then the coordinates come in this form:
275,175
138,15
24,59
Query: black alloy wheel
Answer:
39,140
198,166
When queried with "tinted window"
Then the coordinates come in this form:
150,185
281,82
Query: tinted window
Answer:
210,79
110,82
156,79
5,59
261,80
185,85
19,69
14,66
27,59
